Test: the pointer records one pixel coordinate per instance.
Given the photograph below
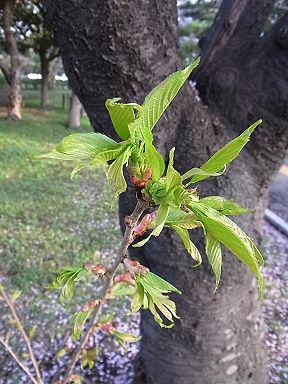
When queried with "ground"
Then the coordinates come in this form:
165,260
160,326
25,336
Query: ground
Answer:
48,221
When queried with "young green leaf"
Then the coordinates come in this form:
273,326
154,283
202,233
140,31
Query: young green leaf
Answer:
137,299
188,244
226,154
121,289
159,99
214,255
181,219
115,172
155,161
82,147
151,293
121,116
229,234
80,319
199,172
66,281
173,178
224,206
123,337
160,284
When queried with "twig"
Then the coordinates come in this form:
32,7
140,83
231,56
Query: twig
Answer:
122,254
24,335
18,361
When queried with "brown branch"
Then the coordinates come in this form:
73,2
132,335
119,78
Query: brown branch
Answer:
122,254
18,361
23,333
238,25
5,71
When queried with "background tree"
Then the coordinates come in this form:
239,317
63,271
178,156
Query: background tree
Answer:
195,18
118,50
34,32
13,71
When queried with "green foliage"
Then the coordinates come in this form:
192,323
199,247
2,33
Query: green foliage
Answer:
65,281
80,319
175,205
151,294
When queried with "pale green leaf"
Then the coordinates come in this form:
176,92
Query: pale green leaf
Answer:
137,299
214,255
121,116
123,337
226,154
199,172
181,219
32,331
188,244
224,206
80,319
121,289
82,147
159,99
16,294
229,234
115,172
173,178
155,161
159,283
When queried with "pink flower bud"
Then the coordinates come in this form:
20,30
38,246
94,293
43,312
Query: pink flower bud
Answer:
95,269
126,278
133,266
143,224
91,304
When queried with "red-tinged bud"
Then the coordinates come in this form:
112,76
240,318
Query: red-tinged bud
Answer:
96,269
106,327
133,266
91,304
126,278
143,224
140,181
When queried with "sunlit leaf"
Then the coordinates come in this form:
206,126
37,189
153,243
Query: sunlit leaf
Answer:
226,154
188,244
115,172
214,255
80,319
121,116
159,99
224,206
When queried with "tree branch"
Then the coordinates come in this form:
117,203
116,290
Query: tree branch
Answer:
23,333
238,25
122,254
5,71
18,361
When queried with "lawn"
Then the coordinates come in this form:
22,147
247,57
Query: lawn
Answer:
47,220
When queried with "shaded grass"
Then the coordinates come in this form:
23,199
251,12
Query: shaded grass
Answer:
46,220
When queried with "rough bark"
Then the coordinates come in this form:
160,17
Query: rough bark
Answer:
74,112
123,50
45,72
15,96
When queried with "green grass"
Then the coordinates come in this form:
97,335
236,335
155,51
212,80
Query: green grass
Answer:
48,221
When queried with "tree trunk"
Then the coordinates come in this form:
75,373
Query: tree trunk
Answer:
45,72
74,112
219,338
15,96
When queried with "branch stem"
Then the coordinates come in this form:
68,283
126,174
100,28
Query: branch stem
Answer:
122,254
24,335
18,361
